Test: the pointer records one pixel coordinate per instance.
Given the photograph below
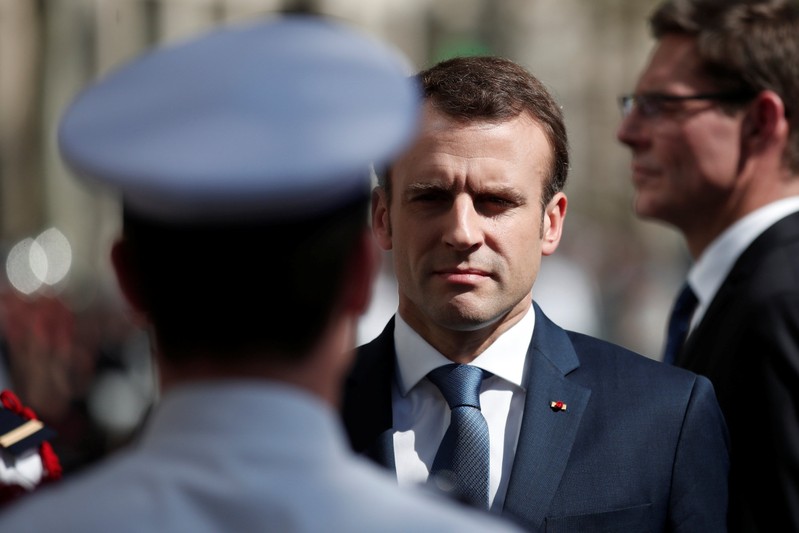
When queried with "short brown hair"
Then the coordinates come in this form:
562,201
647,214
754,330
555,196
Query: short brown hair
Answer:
494,89
744,45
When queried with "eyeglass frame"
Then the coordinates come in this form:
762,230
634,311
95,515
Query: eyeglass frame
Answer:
628,102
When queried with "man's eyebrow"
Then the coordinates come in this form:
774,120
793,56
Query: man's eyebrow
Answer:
511,193
424,187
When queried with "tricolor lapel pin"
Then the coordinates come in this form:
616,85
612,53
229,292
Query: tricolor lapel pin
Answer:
557,406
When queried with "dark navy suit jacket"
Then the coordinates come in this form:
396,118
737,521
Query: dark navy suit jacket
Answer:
747,344
642,446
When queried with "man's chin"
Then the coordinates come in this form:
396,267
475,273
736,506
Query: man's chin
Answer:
645,208
466,318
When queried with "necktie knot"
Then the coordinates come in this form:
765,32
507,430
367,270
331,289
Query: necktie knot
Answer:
460,384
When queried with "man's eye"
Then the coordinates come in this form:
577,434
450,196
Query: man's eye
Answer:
430,196
654,106
492,206
496,201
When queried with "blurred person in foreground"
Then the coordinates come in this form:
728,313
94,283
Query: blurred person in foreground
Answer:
242,158
713,127
582,435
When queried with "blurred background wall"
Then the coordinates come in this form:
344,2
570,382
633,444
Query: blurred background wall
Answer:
69,347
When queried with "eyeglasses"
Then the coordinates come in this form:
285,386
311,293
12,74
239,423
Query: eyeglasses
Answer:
653,104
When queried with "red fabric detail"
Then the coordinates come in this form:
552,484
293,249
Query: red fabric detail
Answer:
11,401
52,465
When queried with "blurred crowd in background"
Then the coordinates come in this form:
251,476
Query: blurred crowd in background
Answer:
70,349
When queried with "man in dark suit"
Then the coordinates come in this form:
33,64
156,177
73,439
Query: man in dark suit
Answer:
582,435
714,131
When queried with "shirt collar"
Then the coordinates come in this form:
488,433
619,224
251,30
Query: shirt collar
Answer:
504,358
712,267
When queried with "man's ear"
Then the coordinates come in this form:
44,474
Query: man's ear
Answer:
381,223
764,122
552,228
360,275
121,260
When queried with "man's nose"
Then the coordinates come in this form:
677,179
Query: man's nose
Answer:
631,131
464,224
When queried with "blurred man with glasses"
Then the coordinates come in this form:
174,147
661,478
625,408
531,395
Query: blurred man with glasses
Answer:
714,134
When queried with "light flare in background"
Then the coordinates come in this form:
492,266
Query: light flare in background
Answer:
43,262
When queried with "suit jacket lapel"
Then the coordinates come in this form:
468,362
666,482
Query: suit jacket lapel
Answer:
367,401
547,434
782,233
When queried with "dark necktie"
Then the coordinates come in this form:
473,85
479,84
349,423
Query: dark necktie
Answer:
679,323
461,463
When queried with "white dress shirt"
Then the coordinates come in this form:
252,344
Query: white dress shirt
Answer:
712,267
239,456
421,414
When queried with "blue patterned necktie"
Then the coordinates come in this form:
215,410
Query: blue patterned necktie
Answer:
461,463
679,323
